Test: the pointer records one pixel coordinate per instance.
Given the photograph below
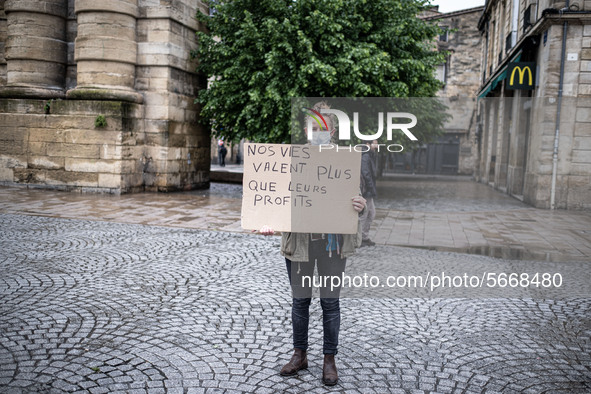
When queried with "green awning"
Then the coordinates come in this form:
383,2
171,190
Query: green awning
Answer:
493,84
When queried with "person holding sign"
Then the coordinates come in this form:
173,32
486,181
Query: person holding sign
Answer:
328,252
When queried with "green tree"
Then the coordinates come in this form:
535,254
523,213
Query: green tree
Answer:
259,54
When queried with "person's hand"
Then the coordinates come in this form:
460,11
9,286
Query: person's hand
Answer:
266,230
359,203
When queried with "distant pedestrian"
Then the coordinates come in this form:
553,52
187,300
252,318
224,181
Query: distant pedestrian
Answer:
222,151
368,190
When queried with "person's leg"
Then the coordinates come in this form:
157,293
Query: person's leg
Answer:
329,267
363,219
372,213
300,310
329,301
331,321
300,317
366,220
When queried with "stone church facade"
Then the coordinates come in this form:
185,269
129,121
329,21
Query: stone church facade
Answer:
97,96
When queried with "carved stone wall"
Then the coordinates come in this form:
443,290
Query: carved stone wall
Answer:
65,65
35,49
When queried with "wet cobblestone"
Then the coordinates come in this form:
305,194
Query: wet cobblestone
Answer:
440,193
110,307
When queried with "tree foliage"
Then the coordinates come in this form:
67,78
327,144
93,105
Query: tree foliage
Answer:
259,54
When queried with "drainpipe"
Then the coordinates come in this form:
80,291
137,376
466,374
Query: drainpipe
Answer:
557,132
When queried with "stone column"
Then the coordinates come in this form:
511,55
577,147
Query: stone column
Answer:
3,35
35,50
106,50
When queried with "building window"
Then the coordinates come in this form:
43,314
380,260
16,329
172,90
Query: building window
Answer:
445,35
440,73
545,37
509,42
492,46
529,17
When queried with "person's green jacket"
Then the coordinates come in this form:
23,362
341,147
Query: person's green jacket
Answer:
294,246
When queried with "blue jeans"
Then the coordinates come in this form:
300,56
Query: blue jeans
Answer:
329,299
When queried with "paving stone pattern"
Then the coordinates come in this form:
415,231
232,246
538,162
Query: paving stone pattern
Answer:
99,307
441,213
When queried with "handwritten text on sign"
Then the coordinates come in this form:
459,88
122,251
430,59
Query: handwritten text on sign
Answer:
297,188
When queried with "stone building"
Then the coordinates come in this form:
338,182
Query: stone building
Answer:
455,151
461,75
98,95
535,101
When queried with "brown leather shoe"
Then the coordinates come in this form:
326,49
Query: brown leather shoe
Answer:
298,361
329,371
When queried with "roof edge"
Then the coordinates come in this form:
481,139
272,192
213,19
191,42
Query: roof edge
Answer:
455,13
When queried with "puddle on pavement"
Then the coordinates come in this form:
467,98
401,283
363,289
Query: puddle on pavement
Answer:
503,252
228,190
220,207
427,194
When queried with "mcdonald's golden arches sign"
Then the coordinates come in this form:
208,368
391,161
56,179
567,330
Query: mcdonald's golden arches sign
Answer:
521,76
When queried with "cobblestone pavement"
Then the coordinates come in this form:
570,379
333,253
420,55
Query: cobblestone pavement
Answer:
214,209
98,307
440,213
455,213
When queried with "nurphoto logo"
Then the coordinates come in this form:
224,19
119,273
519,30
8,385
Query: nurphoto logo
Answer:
318,129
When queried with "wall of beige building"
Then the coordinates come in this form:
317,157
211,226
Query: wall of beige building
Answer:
462,79
78,60
520,127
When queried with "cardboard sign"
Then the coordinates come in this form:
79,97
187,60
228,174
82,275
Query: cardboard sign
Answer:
300,188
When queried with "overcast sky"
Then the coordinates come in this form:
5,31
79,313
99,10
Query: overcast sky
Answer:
455,5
